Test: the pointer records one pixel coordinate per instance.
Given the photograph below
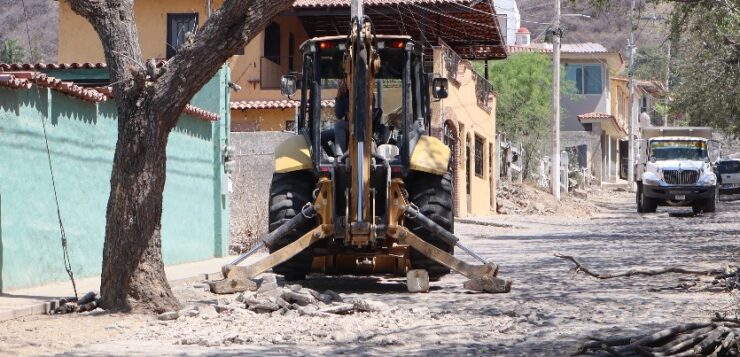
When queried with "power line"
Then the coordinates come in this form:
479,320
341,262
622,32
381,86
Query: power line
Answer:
65,251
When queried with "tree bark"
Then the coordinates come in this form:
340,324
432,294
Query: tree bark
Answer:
150,103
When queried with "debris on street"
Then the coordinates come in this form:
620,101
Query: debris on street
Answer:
527,199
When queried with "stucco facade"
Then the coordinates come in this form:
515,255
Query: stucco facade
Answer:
466,120
82,137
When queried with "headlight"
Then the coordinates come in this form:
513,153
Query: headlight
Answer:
708,179
651,179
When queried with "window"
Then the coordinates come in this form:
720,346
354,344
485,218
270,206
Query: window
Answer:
291,53
178,25
272,42
586,77
479,156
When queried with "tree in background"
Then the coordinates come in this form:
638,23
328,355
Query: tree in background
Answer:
651,63
523,85
150,100
11,52
707,64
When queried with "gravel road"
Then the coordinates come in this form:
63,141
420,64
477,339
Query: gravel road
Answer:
547,313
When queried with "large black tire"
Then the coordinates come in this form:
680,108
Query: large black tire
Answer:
638,198
708,205
645,204
433,195
289,192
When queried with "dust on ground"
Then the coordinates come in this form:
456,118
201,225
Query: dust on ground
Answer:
548,313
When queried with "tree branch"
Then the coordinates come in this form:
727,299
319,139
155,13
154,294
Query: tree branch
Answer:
225,33
632,272
114,22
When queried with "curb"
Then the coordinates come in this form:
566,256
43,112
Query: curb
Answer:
484,223
46,307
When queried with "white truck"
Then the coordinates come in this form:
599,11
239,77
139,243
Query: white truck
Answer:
674,169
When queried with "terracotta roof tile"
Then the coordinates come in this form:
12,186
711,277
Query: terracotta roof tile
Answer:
587,47
273,104
48,66
346,3
26,79
201,113
604,116
13,82
189,109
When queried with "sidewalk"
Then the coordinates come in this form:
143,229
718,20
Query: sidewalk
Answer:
36,300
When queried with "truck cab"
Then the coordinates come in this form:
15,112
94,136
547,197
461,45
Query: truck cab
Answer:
674,169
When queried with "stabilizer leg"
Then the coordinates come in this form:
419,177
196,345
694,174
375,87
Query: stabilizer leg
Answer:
482,277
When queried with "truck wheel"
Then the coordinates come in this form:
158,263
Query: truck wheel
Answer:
289,192
433,195
649,205
638,197
710,205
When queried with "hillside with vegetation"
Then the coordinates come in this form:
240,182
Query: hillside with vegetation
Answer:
41,29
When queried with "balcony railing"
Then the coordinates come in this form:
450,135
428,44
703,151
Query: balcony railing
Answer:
484,90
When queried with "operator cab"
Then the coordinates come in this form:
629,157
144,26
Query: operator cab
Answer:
401,99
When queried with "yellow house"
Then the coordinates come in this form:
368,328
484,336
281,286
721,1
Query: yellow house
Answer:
452,30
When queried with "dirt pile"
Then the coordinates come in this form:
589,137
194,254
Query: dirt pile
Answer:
527,199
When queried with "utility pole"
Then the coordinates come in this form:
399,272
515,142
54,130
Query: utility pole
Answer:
555,168
631,126
667,84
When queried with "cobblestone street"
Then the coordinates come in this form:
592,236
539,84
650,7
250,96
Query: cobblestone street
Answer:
548,312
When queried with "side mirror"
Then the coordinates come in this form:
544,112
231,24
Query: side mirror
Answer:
288,85
439,88
653,159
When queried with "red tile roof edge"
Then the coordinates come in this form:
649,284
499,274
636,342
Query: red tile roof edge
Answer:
603,116
50,66
273,104
346,3
12,82
197,112
200,113
26,79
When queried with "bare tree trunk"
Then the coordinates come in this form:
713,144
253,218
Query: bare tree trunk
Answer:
150,100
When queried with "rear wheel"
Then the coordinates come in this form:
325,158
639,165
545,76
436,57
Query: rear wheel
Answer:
289,192
638,198
433,195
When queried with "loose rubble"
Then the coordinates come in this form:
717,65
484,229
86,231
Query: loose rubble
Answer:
528,199
273,299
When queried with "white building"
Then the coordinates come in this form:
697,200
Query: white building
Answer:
509,17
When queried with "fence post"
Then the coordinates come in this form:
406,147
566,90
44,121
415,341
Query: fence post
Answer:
564,164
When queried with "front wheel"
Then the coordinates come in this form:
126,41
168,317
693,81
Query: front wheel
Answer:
289,192
433,195
708,205
645,204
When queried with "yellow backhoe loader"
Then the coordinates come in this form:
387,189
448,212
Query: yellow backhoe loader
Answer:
372,194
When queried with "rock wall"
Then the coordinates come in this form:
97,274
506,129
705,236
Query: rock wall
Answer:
251,184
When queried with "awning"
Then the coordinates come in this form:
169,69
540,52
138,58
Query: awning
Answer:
470,27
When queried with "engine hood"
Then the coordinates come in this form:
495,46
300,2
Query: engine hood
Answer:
679,164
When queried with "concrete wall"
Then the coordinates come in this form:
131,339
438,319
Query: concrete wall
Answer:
82,138
78,42
595,153
254,167
261,119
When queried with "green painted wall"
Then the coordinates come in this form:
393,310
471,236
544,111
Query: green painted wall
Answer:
82,138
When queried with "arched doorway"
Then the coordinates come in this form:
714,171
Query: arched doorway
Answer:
449,137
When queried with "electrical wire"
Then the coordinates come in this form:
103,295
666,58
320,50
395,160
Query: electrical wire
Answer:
63,235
